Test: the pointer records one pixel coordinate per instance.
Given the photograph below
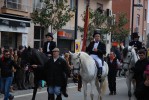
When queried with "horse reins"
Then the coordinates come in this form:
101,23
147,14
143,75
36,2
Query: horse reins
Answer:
128,63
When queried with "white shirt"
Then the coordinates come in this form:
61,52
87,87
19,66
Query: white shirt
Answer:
48,47
95,45
55,59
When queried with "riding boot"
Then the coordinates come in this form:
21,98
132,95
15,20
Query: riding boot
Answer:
59,97
99,73
51,97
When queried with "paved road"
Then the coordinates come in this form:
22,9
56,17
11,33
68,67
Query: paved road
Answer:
75,95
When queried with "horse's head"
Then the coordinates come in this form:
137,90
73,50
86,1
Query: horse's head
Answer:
129,57
75,60
26,55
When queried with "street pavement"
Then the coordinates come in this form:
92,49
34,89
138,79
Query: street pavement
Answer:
75,95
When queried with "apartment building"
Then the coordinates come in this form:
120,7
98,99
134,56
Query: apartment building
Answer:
136,11
15,26
65,37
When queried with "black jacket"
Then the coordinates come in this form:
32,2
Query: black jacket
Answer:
6,66
51,47
139,69
56,71
101,49
137,44
112,67
141,93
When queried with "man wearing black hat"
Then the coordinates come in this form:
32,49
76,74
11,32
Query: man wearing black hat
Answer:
97,49
49,45
135,41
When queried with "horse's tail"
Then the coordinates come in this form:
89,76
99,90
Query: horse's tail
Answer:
104,86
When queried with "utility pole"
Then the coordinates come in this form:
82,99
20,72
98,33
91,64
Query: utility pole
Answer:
76,19
132,17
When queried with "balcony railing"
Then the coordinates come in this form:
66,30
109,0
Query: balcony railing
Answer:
16,6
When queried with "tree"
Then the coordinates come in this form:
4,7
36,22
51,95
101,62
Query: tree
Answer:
97,20
106,24
118,30
54,14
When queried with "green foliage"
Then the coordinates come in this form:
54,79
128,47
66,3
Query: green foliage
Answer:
106,25
119,32
54,14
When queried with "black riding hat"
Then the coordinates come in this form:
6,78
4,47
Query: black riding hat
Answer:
135,35
96,32
49,34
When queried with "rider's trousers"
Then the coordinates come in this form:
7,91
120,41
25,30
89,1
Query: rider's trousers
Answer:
99,61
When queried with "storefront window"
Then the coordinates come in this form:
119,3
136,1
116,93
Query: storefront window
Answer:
8,39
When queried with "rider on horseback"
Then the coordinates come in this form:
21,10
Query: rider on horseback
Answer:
135,41
97,49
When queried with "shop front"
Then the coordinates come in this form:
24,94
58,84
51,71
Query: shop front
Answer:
13,31
66,40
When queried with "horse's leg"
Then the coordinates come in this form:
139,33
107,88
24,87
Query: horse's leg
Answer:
97,87
85,90
128,82
34,92
92,91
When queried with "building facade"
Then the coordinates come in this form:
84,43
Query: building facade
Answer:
136,13
65,37
15,26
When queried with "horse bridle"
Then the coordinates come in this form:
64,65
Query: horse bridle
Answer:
78,69
128,63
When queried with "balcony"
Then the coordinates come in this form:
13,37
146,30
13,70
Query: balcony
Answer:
15,8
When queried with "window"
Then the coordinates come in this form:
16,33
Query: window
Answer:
100,7
72,4
145,14
139,1
138,20
38,36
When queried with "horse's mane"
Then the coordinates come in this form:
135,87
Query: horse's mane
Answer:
40,57
36,57
84,55
125,51
130,48
134,53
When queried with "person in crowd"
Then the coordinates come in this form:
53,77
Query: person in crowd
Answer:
1,51
69,67
55,69
20,73
14,70
113,64
142,91
40,49
135,41
6,65
96,50
139,68
49,45
67,58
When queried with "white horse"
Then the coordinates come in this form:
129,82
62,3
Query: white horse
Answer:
129,59
88,71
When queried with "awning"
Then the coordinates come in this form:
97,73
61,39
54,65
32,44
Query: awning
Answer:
66,34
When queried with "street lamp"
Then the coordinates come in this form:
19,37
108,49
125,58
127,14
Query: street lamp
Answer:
134,5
